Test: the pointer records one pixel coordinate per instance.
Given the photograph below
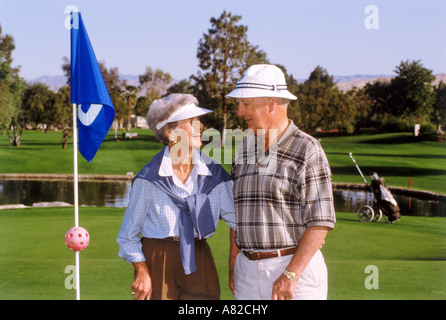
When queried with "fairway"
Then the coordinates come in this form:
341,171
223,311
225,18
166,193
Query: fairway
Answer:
409,255
397,157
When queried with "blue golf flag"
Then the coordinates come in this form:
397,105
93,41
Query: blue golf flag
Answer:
88,90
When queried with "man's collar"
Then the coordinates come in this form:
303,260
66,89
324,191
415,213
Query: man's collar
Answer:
289,131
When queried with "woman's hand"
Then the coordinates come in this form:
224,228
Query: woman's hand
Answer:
233,252
142,284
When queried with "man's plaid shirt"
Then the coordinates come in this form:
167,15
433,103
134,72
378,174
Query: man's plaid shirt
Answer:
279,195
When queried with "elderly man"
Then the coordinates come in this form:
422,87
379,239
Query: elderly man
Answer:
283,198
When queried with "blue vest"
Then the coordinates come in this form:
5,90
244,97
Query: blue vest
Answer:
195,210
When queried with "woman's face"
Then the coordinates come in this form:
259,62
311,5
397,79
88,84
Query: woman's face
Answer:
187,133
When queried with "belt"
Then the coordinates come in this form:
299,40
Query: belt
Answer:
177,239
259,255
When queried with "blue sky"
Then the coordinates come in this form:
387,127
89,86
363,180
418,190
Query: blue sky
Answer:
300,35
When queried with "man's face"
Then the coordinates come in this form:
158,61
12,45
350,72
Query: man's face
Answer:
255,112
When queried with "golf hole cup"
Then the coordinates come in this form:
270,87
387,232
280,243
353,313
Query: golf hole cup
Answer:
77,238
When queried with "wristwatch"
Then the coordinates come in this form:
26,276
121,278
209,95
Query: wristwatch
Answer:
290,275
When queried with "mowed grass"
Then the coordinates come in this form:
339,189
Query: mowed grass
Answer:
410,257
397,157
43,153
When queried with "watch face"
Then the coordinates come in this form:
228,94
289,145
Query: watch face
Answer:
291,275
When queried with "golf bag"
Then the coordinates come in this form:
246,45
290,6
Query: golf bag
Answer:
385,199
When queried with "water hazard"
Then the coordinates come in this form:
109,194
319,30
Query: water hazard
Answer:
116,194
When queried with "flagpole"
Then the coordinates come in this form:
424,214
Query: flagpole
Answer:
76,196
92,94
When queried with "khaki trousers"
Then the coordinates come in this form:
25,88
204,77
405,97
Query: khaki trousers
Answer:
168,279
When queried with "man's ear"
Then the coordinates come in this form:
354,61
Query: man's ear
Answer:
272,104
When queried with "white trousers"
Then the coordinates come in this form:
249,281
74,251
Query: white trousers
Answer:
254,280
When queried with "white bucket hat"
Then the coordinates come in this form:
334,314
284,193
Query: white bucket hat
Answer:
262,80
185,112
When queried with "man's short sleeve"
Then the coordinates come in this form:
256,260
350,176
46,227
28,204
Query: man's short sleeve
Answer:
319,204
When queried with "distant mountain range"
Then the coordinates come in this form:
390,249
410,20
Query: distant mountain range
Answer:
344,83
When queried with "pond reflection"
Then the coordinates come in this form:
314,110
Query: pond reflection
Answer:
116,194
352,200
91,193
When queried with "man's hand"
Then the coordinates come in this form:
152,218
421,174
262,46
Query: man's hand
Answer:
142,284
283,288
312,240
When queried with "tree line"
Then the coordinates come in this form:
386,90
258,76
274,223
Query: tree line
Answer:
224,53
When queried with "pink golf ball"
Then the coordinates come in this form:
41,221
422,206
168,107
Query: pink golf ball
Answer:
77,238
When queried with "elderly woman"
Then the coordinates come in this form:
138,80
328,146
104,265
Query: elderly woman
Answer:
175,204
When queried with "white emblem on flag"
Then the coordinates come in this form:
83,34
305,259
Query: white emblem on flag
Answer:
88,117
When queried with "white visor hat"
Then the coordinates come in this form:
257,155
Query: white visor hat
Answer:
185,112
262,80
